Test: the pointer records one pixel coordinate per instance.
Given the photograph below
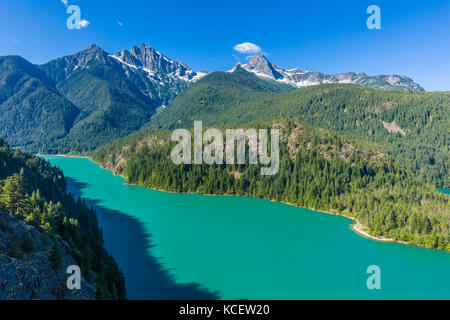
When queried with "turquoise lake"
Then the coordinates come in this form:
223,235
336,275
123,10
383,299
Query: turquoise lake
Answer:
185,246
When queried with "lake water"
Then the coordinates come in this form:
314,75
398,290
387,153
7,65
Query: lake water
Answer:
186,246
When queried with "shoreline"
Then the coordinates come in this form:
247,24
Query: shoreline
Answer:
63,156
356,227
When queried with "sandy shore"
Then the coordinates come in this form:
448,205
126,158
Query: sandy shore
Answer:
359,228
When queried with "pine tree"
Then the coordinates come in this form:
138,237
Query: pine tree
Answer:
14,198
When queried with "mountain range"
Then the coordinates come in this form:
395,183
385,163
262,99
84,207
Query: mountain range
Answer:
81,101
78,102
260,66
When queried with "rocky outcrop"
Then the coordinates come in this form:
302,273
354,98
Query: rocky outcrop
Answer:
27,270
262,67
147,58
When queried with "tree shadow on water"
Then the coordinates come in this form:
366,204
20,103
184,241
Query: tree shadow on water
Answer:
126,239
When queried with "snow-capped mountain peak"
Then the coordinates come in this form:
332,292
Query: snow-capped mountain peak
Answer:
155,63
259,65
263,68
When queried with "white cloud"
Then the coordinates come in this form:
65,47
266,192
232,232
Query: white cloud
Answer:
84,23
247,48
119,23
65,2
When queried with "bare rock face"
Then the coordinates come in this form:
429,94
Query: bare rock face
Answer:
261,66
147,58
26,269
62,68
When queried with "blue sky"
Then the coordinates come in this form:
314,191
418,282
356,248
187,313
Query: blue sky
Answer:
326,36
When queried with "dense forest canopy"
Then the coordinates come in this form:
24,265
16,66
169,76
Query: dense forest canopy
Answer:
413,127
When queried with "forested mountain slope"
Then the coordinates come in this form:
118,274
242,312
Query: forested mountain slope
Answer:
43,230
212,97
32,111
318,169
110,105
78,102
411,126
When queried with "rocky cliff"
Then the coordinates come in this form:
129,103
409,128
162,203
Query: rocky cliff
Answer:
31,268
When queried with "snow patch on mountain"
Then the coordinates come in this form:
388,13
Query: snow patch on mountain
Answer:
156,64
261,67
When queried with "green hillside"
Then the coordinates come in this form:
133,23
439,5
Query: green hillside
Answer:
318,169
212,97
110,108
413,127
32,111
